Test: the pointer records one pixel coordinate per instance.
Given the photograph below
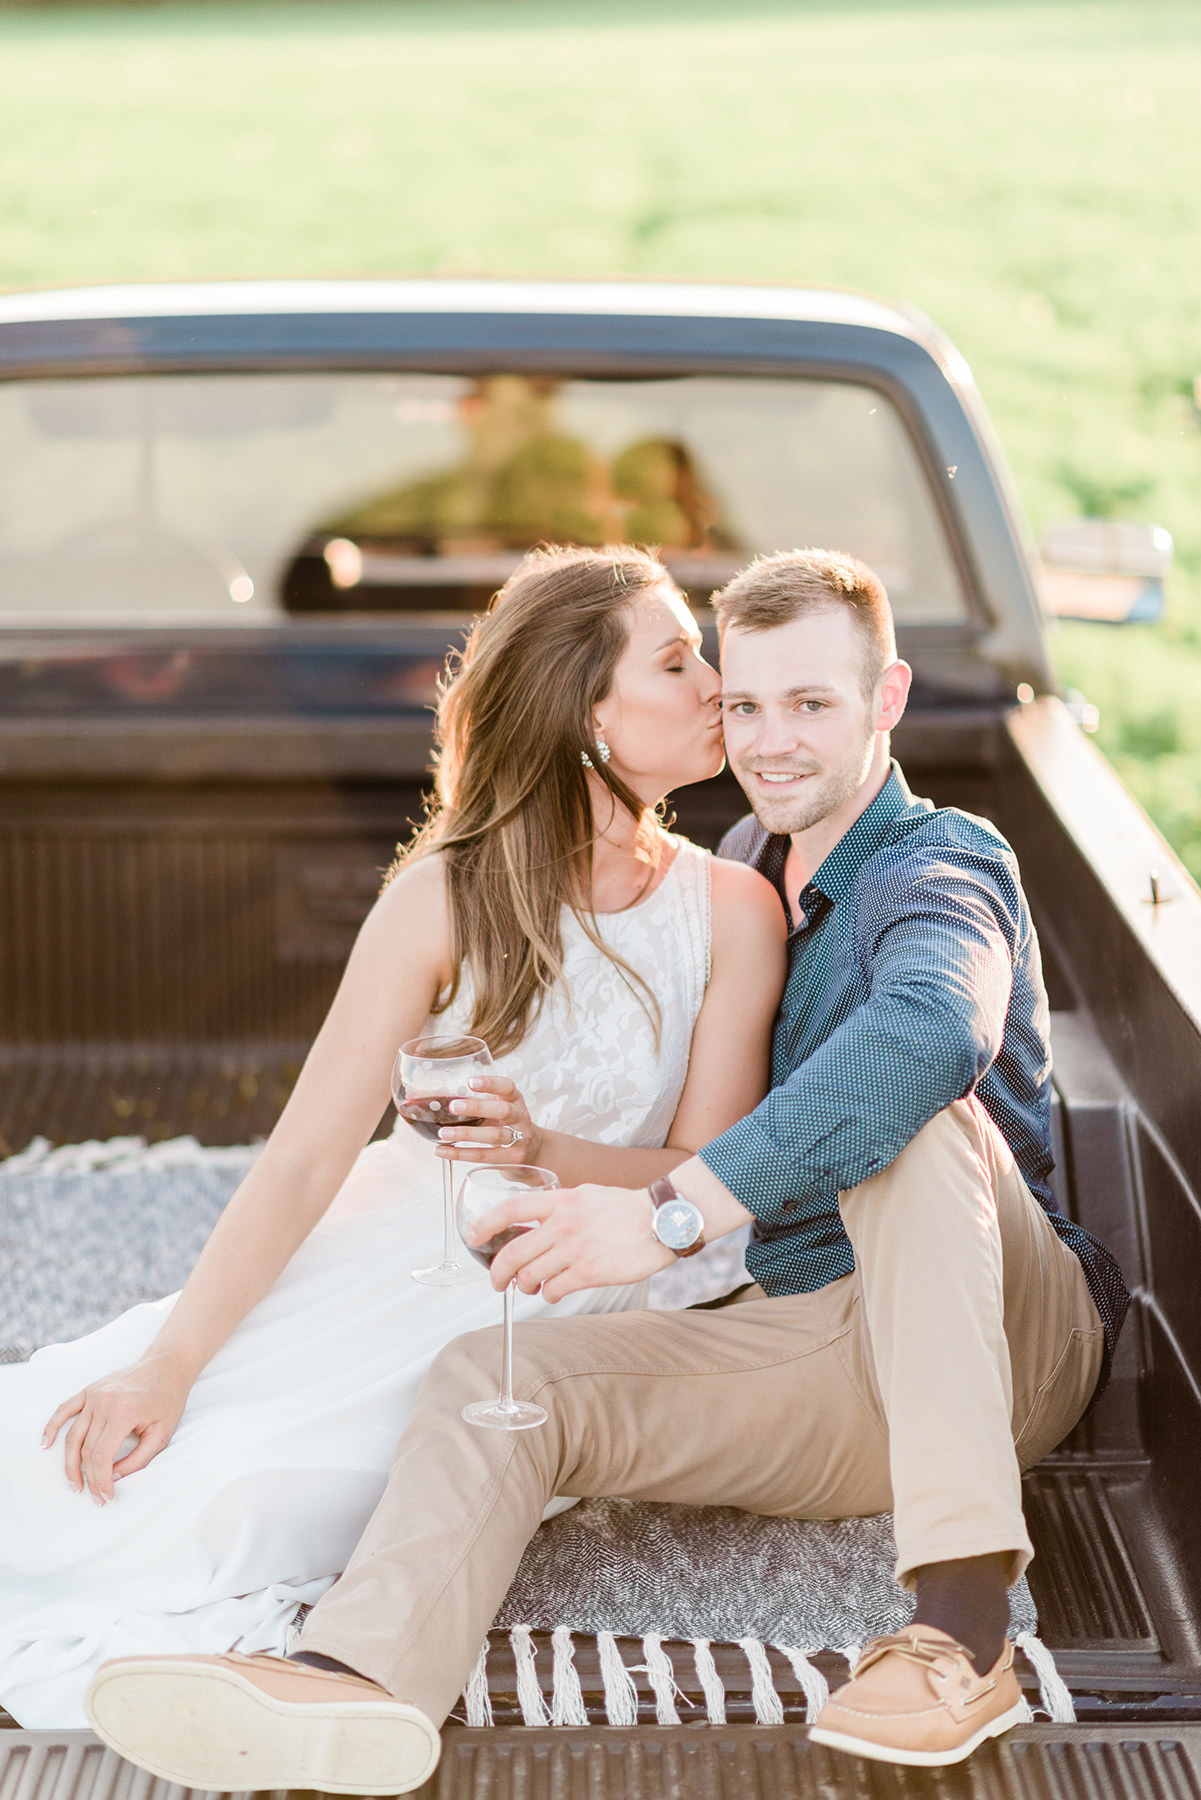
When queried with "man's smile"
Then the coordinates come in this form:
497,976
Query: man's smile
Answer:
782,777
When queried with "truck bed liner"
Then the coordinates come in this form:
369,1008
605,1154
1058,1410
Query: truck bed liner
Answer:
1034,1762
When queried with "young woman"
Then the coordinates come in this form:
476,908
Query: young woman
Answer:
225,1447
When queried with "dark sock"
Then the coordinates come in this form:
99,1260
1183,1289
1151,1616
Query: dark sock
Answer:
968,1599
316,1660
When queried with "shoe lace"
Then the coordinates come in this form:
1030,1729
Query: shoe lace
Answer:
925,1652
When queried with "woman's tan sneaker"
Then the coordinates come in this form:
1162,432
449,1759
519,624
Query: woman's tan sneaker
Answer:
916,1698
228,1723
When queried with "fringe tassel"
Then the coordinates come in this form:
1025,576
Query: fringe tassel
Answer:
710,1680
126,1156
529,1694
768,1708
621,1690
1051,1685
476,1697
662,1677
812,1681
567,1699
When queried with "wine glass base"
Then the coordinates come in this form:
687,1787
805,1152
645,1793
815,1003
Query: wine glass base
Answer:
444,1275
519,1417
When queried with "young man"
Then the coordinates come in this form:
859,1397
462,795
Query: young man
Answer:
920,1324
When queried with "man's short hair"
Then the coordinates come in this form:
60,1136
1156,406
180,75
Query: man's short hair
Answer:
775,590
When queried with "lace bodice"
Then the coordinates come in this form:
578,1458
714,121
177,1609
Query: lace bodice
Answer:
589,1064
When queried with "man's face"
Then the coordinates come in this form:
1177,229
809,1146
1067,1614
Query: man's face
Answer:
800,733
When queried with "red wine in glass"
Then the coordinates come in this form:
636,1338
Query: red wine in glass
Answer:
485,1253
428,1113
428,1074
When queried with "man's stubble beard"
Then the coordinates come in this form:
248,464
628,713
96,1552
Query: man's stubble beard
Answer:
839,785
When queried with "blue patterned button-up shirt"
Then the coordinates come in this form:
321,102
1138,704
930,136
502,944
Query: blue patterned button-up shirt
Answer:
914,978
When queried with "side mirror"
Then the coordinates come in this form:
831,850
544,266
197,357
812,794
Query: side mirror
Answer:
1104,570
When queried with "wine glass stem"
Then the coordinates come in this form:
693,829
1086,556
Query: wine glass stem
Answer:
506,1402
449,1259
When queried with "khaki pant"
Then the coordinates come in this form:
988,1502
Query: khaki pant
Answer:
964,1347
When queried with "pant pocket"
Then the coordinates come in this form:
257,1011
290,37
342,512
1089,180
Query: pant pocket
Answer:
1060,1400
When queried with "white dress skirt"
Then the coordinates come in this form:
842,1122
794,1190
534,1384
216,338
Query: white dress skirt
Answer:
283,1450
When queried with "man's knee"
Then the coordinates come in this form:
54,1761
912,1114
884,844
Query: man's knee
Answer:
469,1366
963,1126
950,1164
959,1138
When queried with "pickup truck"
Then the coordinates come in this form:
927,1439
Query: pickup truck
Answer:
240,527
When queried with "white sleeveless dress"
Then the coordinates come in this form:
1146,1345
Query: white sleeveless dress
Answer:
284,1448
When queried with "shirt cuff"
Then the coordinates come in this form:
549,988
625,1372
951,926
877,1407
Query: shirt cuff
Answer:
750,1164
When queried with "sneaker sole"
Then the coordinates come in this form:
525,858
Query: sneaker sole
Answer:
207,1727
918,1759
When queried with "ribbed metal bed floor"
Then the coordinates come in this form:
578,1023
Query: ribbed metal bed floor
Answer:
1035,1762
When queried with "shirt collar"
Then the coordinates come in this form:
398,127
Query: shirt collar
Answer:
838,870
835,874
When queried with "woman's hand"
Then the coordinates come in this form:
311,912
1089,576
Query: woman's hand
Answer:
144,1401
509,1134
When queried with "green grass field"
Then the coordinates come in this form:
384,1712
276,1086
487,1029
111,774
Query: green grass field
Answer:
1029,174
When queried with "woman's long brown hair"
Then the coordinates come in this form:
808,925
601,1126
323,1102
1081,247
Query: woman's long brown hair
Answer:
511,815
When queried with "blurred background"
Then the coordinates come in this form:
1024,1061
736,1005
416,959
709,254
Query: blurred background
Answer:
1029,174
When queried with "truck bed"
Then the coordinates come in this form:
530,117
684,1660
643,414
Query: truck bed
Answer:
1117,1574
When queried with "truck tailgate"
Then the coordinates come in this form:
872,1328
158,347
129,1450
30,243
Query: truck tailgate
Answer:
1034,1762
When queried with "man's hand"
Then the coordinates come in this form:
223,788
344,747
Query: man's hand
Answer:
585,1237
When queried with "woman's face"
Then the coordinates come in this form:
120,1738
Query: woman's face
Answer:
661,717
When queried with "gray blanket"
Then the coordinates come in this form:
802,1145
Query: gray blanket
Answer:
632,1567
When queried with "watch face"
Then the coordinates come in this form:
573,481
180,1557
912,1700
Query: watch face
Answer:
678,1224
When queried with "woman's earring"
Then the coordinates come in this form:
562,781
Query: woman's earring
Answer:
602,750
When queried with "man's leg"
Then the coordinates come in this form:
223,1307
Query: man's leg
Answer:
974,1328
748,1406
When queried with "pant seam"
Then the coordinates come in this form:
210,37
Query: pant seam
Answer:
569,1372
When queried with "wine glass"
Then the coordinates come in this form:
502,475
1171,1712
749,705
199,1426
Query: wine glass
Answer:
484,1188
430,1072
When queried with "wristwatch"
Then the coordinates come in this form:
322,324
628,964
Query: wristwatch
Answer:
676,1222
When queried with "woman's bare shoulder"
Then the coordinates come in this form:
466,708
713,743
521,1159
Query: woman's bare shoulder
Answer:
741,896
415,901
420,882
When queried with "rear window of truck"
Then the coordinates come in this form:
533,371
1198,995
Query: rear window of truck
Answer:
219,499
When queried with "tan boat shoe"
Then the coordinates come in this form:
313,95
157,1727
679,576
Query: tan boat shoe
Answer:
916,1698
229,1723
